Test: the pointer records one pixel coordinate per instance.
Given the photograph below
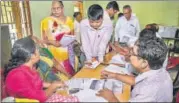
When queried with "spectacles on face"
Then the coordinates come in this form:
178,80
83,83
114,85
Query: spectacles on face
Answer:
131,53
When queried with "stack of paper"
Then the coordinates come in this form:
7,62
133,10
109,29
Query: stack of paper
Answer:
87,88
92,83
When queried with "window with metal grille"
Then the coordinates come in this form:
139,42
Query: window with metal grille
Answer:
16,14
8,19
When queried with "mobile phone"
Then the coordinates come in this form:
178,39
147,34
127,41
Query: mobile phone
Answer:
74,90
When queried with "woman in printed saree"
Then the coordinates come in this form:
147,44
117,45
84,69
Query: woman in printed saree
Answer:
48,67
52,30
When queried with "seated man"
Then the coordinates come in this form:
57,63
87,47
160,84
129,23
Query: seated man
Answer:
95,34
154,83
147,33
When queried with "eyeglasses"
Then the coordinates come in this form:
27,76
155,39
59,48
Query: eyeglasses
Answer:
131,53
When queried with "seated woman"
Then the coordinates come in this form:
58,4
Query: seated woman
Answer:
22,79
54,24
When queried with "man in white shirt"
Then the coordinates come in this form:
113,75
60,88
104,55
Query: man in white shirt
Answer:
78,17
111,9
127,27
95,34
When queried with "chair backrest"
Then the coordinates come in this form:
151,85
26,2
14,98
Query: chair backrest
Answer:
177,97
176,81
176,42
172,62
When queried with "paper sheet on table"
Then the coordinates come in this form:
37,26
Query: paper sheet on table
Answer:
85,83
94,84
116,69
66,40
118,59
88,95
88,87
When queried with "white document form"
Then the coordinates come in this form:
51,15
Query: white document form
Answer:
66,40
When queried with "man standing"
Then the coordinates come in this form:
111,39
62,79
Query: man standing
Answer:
127,27
111,9
77,19
95,33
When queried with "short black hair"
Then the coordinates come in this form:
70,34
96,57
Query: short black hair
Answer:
154,51
126,7
147,34
95,12
76,14
120,15
113,4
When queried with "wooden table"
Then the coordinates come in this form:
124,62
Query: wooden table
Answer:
95,73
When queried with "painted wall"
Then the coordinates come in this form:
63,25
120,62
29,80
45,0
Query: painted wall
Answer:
162,12
42,9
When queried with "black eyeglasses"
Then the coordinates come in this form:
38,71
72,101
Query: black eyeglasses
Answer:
131,53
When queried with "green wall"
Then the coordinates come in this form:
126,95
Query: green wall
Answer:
162,12
42,9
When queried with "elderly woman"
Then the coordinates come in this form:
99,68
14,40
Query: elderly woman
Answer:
55,24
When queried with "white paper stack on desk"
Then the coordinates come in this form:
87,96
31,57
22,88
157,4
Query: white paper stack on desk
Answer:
86,88
117,59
